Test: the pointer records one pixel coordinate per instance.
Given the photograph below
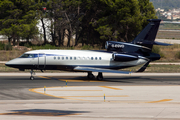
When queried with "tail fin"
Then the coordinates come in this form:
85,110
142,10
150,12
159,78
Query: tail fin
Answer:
147,36
143,42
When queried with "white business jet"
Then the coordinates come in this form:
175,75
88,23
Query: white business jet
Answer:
118,55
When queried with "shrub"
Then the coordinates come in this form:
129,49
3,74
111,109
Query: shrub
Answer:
2,46
8,47
177,55
86,47
157,50
47,46
5,46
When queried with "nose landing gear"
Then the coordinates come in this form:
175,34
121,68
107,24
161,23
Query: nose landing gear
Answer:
32,73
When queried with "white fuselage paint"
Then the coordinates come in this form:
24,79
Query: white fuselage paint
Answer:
83,58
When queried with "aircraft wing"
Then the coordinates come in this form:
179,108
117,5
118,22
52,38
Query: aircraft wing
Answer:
92,69
142,69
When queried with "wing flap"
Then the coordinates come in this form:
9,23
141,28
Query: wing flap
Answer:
91,69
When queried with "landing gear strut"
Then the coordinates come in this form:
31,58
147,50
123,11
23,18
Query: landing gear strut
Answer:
90,75
32,73
99,76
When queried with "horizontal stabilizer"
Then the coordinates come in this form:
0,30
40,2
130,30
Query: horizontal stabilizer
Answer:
163,44
91,69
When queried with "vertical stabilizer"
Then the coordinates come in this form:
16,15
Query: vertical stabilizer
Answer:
147,36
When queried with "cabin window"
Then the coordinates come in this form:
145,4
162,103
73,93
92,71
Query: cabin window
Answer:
58,58
91,58
88,58
62,58
66,58
100,58
70,58
95,58
54,57
74,58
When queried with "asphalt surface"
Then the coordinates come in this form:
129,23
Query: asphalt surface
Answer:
71,96
17,87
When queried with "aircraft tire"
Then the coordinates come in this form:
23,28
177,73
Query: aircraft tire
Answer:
31,78
91,76
99,77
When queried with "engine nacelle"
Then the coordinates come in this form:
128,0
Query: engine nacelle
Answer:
124,57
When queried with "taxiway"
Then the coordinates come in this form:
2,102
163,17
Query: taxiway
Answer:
71,96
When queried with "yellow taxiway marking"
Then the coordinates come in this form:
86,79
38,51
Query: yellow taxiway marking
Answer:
164,100
44,77
33,90
74,97
111,88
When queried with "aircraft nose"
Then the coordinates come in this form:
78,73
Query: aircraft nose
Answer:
10,63
7,63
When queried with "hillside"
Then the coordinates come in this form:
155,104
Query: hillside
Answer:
166,4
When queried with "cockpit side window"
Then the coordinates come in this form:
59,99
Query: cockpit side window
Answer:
31,55
27,56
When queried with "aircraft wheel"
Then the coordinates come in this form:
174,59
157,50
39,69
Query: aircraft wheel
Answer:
100,76
91,76
31,78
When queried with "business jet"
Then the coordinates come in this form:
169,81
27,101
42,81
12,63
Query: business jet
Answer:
117,56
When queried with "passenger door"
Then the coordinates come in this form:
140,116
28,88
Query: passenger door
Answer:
41,61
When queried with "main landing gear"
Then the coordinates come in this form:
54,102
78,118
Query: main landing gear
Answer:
91,76
32,73
99,76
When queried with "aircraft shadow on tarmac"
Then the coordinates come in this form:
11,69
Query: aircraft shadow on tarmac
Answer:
108,79
130,79
85,79
44,112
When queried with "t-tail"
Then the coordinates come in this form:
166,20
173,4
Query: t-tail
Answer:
142,43
147,36
140,47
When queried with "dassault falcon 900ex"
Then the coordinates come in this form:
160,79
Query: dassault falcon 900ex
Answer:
118,55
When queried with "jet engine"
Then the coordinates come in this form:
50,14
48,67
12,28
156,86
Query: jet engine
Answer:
124,57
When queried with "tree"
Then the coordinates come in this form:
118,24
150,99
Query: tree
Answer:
147,11
42,15
119,20
17,19
110,20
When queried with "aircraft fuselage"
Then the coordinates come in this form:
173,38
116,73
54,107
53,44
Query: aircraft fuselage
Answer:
69,59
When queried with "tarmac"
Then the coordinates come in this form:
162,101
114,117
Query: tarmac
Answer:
84,74
70,96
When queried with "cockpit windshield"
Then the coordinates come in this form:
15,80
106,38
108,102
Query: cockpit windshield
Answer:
27,56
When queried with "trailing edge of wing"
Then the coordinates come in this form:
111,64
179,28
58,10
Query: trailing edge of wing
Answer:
143,67
91,69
